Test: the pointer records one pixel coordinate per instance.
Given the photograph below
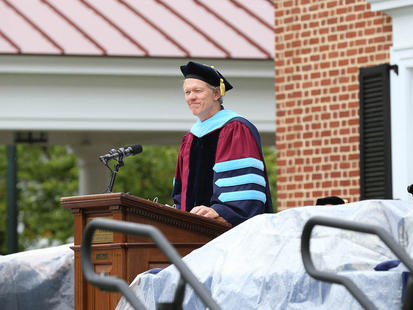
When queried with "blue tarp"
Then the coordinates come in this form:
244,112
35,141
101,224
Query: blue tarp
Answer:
258,265
37,280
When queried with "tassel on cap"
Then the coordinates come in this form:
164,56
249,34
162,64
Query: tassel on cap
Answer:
222,87
221,84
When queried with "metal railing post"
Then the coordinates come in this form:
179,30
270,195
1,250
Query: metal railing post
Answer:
353,226
111,283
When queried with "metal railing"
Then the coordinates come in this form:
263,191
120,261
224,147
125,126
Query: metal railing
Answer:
115,284
335,278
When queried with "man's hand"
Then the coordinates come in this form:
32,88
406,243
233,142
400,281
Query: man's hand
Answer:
208,212
205,211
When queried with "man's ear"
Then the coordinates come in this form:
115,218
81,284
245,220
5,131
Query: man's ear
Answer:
217,93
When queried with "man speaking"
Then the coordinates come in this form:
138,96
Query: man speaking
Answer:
220,171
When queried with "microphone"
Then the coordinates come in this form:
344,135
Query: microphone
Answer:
121,153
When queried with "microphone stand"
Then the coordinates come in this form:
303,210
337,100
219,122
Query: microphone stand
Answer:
114,172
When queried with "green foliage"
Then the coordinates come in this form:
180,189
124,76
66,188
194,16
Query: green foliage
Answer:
45,174
149,174
270,158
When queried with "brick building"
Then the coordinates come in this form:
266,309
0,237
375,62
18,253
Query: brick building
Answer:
320,47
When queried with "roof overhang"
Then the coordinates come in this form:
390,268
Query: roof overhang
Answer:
121,94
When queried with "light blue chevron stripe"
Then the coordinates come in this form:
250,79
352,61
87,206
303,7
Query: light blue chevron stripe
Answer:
243,195
241,180
239,164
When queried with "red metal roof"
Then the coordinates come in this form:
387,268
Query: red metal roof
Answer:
147,28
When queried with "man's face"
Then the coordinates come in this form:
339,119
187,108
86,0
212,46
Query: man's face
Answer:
201,99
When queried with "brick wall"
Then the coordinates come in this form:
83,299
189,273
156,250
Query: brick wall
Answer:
320,46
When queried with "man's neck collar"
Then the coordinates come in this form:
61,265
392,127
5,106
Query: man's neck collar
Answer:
216,121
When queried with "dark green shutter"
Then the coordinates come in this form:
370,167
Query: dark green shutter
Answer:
375,141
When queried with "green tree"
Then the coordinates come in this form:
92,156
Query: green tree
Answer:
270,157
150,174
44,175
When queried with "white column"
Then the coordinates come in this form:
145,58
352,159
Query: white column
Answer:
94,177
401,54
401,135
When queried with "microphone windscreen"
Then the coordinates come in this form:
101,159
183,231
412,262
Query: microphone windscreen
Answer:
135,149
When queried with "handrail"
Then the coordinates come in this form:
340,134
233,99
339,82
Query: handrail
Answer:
353,226
112,283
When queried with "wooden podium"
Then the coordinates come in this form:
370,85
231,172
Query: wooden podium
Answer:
126,256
